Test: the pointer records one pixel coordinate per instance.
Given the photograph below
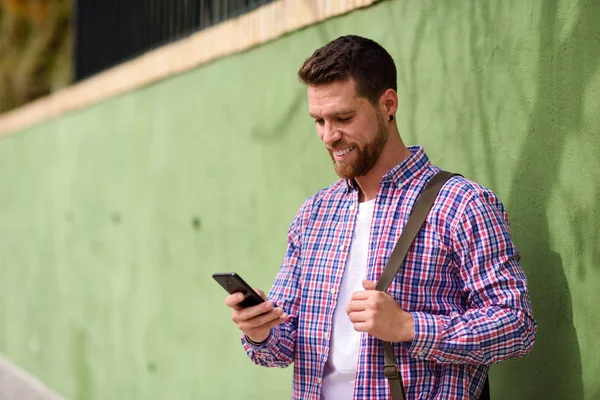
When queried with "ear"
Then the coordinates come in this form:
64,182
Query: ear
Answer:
388,103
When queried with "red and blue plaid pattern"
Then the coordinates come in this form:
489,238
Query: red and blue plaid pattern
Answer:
461,281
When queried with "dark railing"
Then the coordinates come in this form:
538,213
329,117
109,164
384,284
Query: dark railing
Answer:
108,32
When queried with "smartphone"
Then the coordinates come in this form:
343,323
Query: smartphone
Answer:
233,283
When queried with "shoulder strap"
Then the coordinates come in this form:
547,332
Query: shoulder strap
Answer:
412,228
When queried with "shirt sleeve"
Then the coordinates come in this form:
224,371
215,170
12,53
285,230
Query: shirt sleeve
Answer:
499,322
279,348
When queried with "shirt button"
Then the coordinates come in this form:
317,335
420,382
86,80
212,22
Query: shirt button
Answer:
319,380
333,291
342,247
352,207
420,353
327,335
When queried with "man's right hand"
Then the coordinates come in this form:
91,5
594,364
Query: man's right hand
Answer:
256,322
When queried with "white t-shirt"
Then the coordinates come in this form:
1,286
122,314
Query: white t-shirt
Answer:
340,369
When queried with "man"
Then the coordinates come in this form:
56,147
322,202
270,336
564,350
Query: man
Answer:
459,302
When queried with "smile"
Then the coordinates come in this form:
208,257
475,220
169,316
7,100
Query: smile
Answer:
341,153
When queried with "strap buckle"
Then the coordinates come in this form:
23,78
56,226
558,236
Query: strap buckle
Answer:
391,371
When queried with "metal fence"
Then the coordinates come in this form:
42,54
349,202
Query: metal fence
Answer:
108,32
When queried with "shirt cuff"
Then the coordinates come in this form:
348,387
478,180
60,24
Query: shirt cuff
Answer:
264,345
428,335
258,344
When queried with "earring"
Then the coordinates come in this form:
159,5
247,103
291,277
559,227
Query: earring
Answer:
391,118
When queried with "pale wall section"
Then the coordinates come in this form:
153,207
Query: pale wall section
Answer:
114,217
16,384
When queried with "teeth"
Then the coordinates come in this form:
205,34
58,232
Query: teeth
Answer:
343,152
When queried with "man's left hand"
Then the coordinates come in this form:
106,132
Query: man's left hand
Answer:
378,314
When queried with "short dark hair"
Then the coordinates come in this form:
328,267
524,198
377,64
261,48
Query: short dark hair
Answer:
351,56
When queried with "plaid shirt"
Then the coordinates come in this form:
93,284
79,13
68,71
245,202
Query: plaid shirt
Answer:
461,282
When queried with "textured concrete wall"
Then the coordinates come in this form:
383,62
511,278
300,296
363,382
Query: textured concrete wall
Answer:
113,218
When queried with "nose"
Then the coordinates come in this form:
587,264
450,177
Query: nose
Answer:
330,134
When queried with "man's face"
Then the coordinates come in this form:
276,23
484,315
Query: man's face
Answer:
353,130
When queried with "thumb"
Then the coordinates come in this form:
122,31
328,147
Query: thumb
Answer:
261,294
368,285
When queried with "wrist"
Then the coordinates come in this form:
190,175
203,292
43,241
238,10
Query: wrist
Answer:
406,332
258,341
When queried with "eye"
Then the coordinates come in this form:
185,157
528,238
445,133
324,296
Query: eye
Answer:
319,121
345,119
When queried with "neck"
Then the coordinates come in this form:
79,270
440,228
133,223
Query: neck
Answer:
393,154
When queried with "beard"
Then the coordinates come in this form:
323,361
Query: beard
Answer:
366,156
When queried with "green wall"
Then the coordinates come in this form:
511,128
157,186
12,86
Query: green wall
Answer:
112,218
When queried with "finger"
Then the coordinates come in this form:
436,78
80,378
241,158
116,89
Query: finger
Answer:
276,322
356,305
368,285
363,294
362,326
259,321
358,316
251,312
233,300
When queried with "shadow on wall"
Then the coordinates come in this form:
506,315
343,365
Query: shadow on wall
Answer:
569,56
566,64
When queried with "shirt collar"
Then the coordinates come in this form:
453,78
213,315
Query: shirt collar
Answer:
408,169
